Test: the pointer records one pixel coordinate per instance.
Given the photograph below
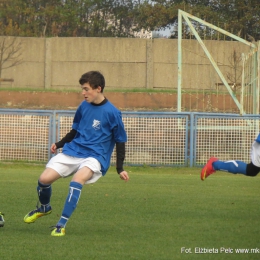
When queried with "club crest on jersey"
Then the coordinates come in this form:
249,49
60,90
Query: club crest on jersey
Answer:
96,124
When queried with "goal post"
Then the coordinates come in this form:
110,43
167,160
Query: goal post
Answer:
249,67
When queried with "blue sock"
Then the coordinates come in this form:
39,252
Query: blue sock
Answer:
70,203
44,194
230,166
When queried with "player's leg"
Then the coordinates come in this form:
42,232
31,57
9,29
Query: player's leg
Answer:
44,191
231,166
59,166
235,166
69,207
89,172
251,169
214,165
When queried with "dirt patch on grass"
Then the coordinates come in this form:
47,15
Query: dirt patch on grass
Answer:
129,101
70,101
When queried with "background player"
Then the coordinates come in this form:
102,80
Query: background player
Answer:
251,169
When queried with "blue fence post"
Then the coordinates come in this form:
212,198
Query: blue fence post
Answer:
191,139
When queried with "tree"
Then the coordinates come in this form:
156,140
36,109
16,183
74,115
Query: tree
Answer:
240,17
121,18
10,53
235,75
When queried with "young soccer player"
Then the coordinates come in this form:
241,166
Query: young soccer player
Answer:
251,169
97,127
2,221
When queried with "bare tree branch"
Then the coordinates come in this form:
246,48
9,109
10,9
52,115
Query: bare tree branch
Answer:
10,53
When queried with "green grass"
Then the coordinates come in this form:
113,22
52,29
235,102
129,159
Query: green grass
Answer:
154,215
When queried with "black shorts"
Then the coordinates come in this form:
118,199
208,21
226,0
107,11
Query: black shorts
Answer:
252,170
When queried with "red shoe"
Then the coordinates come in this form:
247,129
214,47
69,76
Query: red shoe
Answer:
208,168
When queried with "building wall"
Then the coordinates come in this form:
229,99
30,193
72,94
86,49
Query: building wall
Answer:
58,63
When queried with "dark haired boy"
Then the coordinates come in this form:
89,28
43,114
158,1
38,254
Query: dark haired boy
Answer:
97,127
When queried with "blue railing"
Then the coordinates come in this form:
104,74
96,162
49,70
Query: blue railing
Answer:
154,138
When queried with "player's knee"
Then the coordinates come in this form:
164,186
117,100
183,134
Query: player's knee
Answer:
48,176
252,170
42,182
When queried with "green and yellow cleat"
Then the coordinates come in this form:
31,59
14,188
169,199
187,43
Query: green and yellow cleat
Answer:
2,221
35,214
58,231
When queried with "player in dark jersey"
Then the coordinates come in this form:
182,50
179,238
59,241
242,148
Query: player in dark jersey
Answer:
97,128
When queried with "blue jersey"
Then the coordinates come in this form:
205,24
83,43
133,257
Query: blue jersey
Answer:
98,127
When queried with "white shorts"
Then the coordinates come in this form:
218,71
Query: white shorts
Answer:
255,154
66,165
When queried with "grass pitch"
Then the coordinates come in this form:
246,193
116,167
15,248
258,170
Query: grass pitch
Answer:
160,214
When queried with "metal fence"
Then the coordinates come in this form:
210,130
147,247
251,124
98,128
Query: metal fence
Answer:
227,137
154,138
25,135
